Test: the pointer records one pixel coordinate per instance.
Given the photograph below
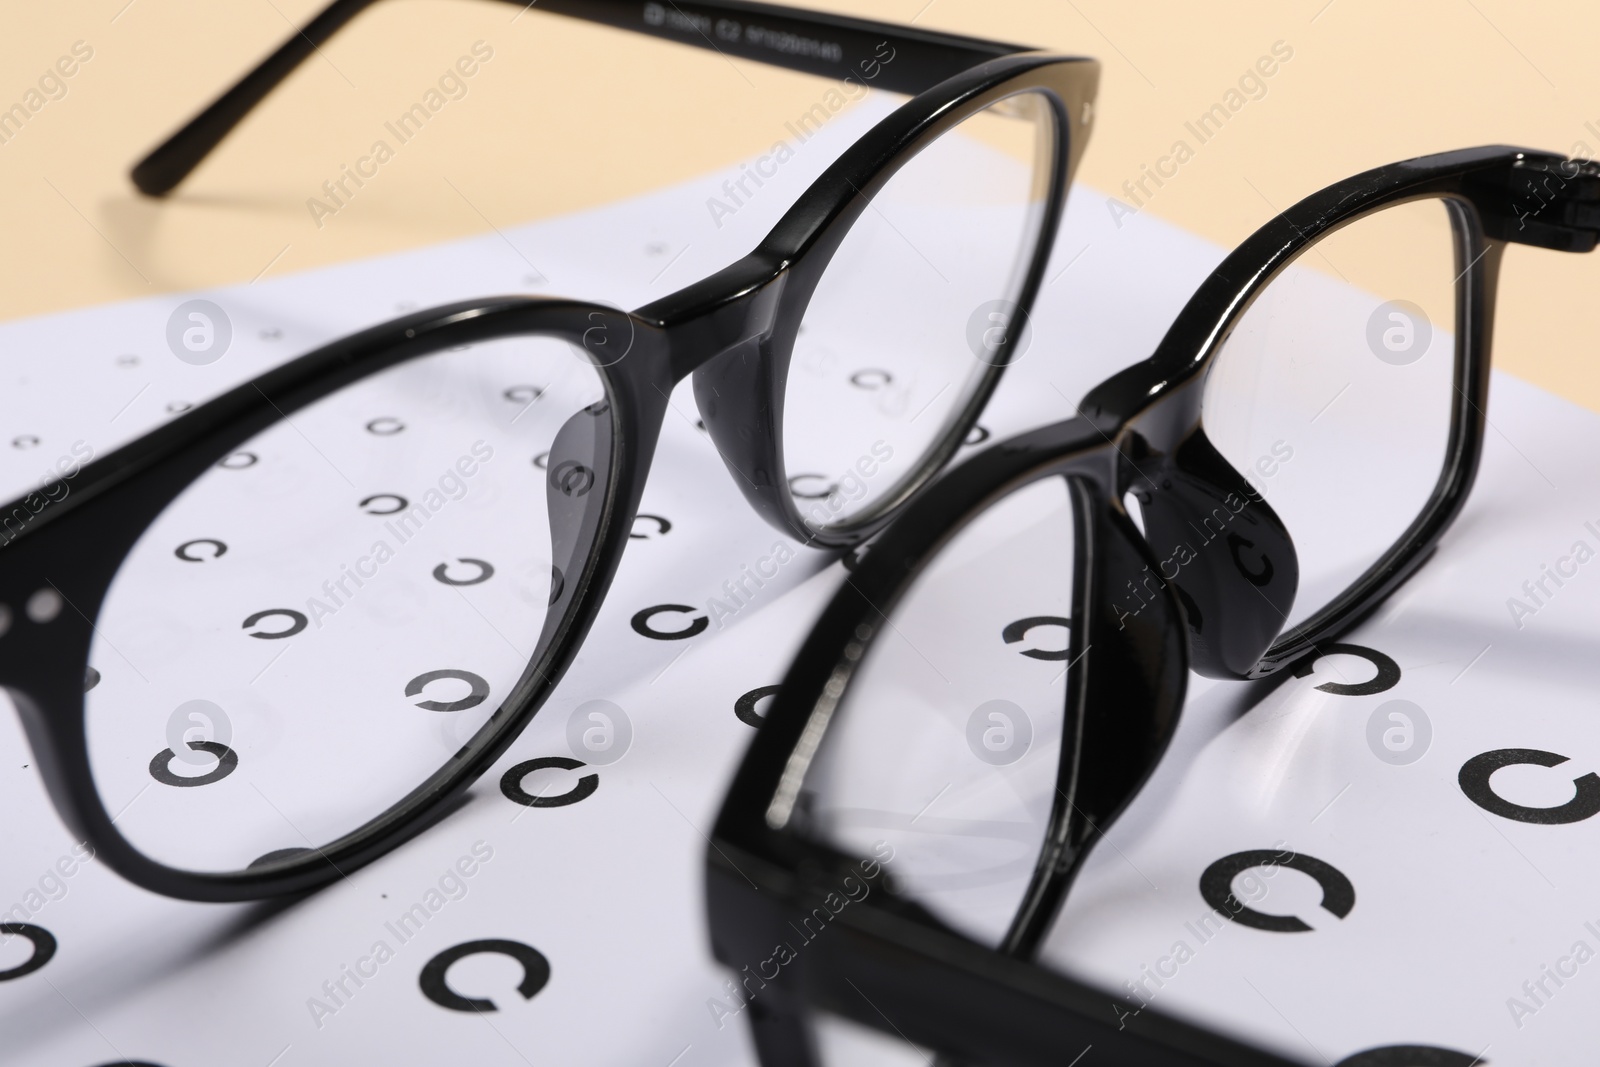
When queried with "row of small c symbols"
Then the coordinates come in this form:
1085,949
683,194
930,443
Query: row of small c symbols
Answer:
512,782
228,759
1473,776
432,980
434,984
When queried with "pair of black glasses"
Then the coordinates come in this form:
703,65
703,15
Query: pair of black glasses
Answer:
1290,455
200,628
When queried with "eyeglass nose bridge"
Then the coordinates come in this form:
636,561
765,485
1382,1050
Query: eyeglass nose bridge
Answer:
734,307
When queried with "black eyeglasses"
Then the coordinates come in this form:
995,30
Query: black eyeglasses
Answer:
286,575
1292,452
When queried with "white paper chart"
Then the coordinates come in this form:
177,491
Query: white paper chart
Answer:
1460,915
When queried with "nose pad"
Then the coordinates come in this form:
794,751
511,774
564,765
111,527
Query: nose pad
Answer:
740,394
578,473
1225,552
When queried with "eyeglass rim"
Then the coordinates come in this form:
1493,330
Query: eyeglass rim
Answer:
44,666
1473,185
754,842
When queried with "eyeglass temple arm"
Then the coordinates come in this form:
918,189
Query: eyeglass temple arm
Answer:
897,58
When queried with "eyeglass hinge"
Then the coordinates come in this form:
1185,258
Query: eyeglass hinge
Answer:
1549,203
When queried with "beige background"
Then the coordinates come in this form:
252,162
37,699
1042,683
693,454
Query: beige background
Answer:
567,115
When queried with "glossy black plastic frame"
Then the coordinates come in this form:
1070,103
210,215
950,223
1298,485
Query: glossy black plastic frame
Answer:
889,963
732,331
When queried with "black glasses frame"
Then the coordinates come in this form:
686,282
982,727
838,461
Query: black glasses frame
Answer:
888,958
733,332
